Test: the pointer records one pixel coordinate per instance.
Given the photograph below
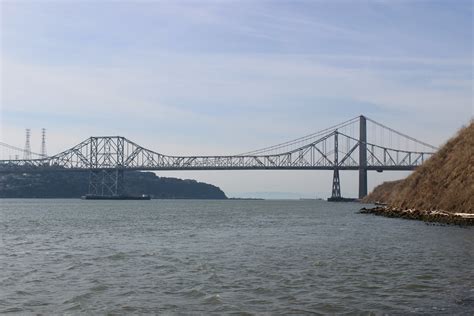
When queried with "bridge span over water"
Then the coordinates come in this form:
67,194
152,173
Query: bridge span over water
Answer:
360,144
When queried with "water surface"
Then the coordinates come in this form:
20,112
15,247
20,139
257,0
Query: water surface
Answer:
227,257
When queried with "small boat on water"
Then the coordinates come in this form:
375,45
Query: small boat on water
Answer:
116,197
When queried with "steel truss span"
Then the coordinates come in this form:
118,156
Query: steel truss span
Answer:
342,147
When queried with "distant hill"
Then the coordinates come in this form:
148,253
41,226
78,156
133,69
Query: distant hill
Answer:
75,184
444,182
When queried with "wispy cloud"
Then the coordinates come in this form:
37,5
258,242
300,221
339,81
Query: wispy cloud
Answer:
221,91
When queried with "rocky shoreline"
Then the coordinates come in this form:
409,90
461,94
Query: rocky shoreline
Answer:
462,219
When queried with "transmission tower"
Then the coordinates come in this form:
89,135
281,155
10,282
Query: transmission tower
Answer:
27,151
43,142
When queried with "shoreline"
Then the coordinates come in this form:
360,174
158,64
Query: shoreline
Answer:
462,219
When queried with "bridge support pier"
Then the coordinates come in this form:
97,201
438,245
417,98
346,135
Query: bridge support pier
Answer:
362,157
106,182
336,186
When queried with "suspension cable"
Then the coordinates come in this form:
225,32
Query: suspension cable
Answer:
401,134
300,139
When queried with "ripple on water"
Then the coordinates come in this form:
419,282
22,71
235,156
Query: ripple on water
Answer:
81,298
128,293
214,299
418,287
116,256
12,310
33,303
99,288
262,290
195,292
150,254
425,277
72,307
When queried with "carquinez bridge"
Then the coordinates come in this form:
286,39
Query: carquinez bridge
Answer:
358,144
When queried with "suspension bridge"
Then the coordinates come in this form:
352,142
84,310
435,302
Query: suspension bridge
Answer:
359,144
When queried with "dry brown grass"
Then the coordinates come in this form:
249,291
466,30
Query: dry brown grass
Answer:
444,182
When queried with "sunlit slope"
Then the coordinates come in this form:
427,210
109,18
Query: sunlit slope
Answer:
444,182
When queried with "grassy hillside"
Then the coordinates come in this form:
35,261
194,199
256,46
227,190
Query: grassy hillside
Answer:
444,182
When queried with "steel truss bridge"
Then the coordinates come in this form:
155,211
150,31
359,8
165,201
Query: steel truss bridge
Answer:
345,146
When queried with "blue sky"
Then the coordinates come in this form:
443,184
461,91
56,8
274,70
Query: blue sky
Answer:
215,77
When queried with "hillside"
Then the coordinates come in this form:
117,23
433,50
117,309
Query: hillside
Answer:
444,182
75,184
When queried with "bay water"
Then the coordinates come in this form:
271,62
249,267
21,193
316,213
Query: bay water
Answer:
228,257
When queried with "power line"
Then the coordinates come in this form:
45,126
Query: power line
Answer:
17,149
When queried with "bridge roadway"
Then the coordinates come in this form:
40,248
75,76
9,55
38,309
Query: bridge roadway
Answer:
47,168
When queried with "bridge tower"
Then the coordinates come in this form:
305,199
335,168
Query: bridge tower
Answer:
362,157
336,184
106,174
